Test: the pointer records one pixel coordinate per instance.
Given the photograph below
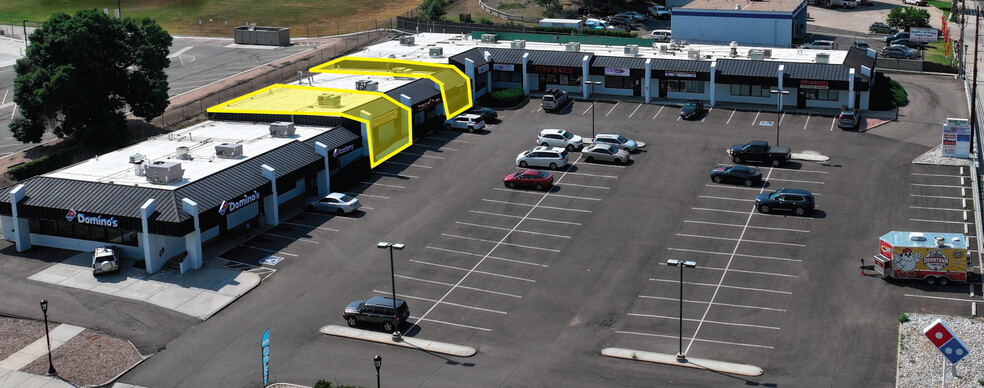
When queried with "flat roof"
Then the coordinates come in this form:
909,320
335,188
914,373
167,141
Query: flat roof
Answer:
201,139
745,5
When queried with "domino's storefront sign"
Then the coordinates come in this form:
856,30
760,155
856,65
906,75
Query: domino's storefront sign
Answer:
231,206
952,347
97,220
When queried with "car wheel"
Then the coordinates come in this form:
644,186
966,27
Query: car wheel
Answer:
447,127
589,159
716,179
545,144
930,280
351,321
748,182
764,209
570,148
944,280
736,159
553,166
339,211
510,184
618,161
310,207
471,129
800,211
775,163
388,326
523,164
539,186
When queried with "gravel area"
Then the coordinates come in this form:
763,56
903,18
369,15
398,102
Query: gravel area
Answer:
920,363
935,156
90,358
17,333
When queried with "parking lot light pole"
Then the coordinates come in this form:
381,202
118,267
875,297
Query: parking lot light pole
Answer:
44,310
593,83
689,264
378,361
391,247
780,92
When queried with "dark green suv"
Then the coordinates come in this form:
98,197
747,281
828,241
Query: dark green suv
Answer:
377,310
800,202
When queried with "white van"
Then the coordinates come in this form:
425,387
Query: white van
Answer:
661,35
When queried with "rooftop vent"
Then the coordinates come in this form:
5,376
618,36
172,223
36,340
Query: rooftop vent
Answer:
490,38
756,54
162,172
632,49
364,84
281,129
662,49
767,53
227,150
734,49
182,153
406,40
436,52
572,46
329,100
518,44
137,160
693,54
916,236
823,58
940,241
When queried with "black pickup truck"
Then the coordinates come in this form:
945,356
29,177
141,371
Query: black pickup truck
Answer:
759,151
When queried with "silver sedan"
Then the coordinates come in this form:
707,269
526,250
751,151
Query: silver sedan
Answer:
607,153
334,202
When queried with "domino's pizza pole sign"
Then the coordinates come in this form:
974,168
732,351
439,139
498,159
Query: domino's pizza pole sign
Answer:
952,347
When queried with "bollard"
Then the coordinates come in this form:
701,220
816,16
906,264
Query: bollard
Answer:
973,309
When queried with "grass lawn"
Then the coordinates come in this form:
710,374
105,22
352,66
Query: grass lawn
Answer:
934,53
180,17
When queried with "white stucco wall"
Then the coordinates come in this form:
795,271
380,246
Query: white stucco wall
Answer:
758,31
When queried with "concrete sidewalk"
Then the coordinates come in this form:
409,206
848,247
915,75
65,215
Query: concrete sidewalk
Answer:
15,379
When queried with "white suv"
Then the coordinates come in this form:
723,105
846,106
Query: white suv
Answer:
467,121
552,157
559,138
105,259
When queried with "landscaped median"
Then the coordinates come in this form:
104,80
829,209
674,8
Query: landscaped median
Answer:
696,363
406,342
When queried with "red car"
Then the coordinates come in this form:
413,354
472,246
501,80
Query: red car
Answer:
530,178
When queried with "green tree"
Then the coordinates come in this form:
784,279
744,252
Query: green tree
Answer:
433,9
83,71
905,17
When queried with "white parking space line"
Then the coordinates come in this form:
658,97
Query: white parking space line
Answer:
449,323
421,155
587,186
708,114
635,110
499,242
940,297
657,112
781,118
726,198
793,180
459,286
694,339
936,196
702,302
940,175
603,165
491,257
381,184
396,175
541,206
269,250
586,110
750,226
940,221
405,296
333,217
807,120
309,226
705,321
291,238
613,108
948,186
730,117
451,139
516,230
475,271
806,171
718,210
552,195
366,195
740,239
435,147
528,218
832,122
736,254
677,281
937,208
744,271
407,164
756,119
720,186
593,175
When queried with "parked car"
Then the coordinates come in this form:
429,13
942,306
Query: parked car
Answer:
820,44
849,119
661,35
531,178
882,28
659,12
377,310
618,141
105,259
861,44
849,4
488,114
598,24
738,173
559,138
465,121
691,109
897,35
760,151
636,15
607,153
335,202
921,3
899,52
553,99
908,43
552,157
800,202
626,21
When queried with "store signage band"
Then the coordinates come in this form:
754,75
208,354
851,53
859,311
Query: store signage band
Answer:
482,69
617,71
552,69
679,74
821,85
342,151
229,207
503,67
91,220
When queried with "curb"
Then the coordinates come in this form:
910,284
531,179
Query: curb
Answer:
407,342
809,156
695,363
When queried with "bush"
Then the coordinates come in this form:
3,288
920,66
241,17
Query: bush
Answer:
903,318
44,164
887,94
505,97
484,20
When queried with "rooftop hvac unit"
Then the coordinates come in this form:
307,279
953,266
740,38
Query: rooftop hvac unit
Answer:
490,38
572,46
823,58
162,172
632,49
436,52
662,49
227,150
365,84
756,55
281,129
518,44
767,53
693,54
182,153
329,100
137,158
406,40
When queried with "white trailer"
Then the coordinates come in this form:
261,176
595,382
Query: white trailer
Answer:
569,23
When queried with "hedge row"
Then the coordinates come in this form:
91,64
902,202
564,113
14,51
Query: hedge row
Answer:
505,98
43,164
585,31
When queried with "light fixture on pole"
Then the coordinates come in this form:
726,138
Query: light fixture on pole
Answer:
689,264
391,247
780,92
592,83
44,310
378,361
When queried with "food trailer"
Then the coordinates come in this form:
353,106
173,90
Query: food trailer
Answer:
933,257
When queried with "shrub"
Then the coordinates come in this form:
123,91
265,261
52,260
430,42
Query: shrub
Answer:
43,164
887,94
484,20
903,318
505,97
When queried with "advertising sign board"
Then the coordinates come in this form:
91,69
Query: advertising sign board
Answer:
923,34
944,339
956,141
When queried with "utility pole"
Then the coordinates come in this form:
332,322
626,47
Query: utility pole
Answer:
973,87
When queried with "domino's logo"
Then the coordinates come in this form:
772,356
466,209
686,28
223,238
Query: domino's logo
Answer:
223,208
70,215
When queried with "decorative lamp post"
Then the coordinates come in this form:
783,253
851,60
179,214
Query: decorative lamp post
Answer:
44,310
391,247
689,264
379,362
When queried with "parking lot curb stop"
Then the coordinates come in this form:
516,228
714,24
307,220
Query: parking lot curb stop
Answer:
696,363
406,342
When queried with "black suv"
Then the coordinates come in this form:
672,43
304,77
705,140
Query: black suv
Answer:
799,201
377,310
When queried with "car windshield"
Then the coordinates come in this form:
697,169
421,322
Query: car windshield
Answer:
690,105
847,113
774,195
622,139
568,135
345,198
543,174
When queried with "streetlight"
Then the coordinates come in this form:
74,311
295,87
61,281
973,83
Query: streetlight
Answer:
689,264
780,92
391,247
592,83
44,310
379,362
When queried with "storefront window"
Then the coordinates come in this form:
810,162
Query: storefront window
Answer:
83,232
507,76
560,79
821,94
685,86
750,90
618,82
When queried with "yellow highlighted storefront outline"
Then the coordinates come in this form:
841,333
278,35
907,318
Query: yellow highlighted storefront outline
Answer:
455,85
389,126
